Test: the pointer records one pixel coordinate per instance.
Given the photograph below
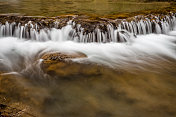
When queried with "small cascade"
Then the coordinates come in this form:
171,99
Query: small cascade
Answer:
124,31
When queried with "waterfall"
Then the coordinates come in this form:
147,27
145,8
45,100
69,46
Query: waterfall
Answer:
153,38
124,31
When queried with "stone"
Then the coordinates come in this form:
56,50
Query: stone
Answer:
60,65
60,57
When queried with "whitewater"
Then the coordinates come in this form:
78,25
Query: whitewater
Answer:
143,50
131,45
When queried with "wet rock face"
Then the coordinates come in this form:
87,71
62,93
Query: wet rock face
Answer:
41,21
88,23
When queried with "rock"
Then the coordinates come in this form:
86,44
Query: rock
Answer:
60,65
85,28
60,57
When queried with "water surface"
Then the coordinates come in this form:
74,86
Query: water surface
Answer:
134,79
59,7
116,79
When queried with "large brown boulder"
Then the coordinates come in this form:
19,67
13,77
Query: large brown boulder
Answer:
60,65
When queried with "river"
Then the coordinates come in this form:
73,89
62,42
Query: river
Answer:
128,70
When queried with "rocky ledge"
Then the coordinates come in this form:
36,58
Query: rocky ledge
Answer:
85,28
88,22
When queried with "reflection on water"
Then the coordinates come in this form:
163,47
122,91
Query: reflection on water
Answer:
58,7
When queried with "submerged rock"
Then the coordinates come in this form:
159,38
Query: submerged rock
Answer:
15,100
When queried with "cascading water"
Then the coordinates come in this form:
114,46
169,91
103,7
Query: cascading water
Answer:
85,65
138,71
20,45
122,32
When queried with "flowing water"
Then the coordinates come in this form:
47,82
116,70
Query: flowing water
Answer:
120,32
129,69
129,79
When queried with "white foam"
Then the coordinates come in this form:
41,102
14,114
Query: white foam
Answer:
143,50
75,32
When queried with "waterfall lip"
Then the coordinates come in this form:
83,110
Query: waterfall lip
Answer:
86,30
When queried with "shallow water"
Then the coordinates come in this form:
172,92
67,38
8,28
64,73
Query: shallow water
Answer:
58,7
109,93
130,79
116,79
